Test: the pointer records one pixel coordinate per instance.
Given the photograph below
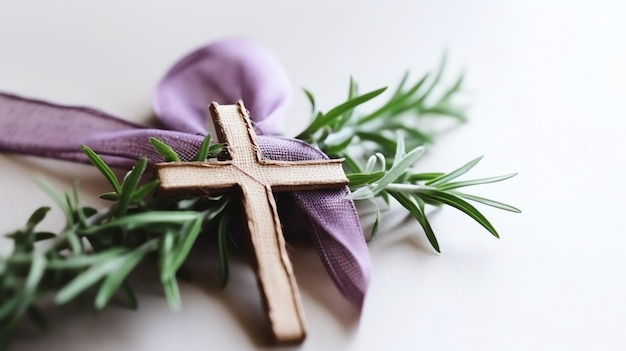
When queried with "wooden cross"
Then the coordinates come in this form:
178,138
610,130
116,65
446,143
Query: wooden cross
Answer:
257,178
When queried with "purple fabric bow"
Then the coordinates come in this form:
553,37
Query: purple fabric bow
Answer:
223,72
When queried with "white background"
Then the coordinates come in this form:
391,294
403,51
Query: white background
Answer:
545,82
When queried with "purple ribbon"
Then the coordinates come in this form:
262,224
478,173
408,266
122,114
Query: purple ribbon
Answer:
224,72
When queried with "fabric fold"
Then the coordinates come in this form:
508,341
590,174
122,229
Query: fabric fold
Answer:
223,72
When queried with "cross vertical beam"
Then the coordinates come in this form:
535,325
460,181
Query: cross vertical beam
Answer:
275,277
257,178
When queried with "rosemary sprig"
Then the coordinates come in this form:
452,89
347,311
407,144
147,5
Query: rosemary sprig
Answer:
414,190
96,251
342,132
389,130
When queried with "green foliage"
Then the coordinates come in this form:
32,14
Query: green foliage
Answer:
92,257
103,168
392,129
413,190
343,131
97,250
168,154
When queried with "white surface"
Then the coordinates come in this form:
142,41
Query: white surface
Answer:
545,82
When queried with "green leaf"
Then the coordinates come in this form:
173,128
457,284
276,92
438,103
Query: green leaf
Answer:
454,174
81,216
352,164
417,210
22,240
203,153
99,163
71,210
222,235
351,104
353,90
215,149
454,88
400,148
400,87
110,196
360,179
394,172
37,268
168,154
311,99
444,110
145,189
416,136
413,90
488,202
37,217
384,142
371,163
170,286
144,219
328,118
9,305
128,186
75,198
166,244
41,236
376,225
74,262
398,103
416,177
385,195
462,206
112,283
473,182
67,211
89,211
436,80
181,251
87,279
333,149
74,241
